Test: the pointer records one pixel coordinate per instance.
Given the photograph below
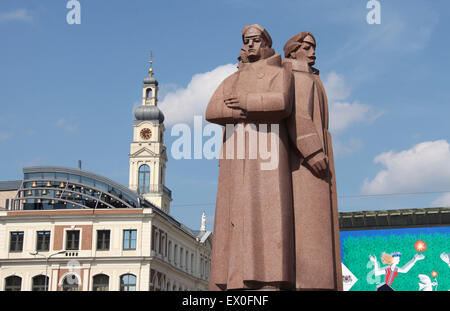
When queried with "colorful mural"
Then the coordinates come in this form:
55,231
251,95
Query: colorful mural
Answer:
407,259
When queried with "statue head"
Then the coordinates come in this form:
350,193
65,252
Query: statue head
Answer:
302,47
257,44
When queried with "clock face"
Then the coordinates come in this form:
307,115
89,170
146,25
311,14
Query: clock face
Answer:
146,133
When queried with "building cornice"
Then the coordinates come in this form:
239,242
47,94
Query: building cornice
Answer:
389,219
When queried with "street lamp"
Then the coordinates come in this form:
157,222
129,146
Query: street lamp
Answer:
46,263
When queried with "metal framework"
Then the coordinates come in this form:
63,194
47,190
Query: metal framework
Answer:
395,218
36,191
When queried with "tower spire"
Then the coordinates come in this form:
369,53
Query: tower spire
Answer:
150,71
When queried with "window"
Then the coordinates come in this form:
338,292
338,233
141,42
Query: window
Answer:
201,267
103,238
155,283
100,283
70,283
40,283
157,248
72,239
43,241
163,245
181,257
127,283
7,204
13,283
144,179
149,93
16,241
175,256
170,251
129,239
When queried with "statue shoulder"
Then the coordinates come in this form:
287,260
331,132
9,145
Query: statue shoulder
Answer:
304,77
231,77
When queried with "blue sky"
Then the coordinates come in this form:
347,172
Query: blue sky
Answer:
67,92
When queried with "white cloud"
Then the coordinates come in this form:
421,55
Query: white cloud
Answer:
182,104
5,135
442,201
424,167
67,126
17,15
337,88
342,148
344,114
31,132
402,29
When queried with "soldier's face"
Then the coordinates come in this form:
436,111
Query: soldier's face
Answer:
253,44
307,51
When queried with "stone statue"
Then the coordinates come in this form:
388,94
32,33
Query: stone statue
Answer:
317,247
253,226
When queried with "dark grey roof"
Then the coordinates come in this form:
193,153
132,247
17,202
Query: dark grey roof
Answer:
150,80
149,113
10,185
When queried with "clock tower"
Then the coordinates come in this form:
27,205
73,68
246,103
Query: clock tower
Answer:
147,151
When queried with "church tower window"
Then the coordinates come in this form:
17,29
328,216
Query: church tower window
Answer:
144,179
149,93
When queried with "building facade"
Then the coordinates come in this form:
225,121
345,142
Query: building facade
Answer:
66,229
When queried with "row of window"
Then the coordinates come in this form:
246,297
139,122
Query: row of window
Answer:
100,282
179,256
72,240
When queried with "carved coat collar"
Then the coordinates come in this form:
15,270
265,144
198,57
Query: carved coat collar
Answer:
274,60
301,66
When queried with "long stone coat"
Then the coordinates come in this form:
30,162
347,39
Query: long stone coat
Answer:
253,227
317,248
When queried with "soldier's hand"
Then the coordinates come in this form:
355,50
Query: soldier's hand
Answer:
233,102
319,164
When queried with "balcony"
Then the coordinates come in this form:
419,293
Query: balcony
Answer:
154,189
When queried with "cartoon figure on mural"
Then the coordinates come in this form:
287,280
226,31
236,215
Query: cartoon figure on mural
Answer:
446,258
392,270
427,285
